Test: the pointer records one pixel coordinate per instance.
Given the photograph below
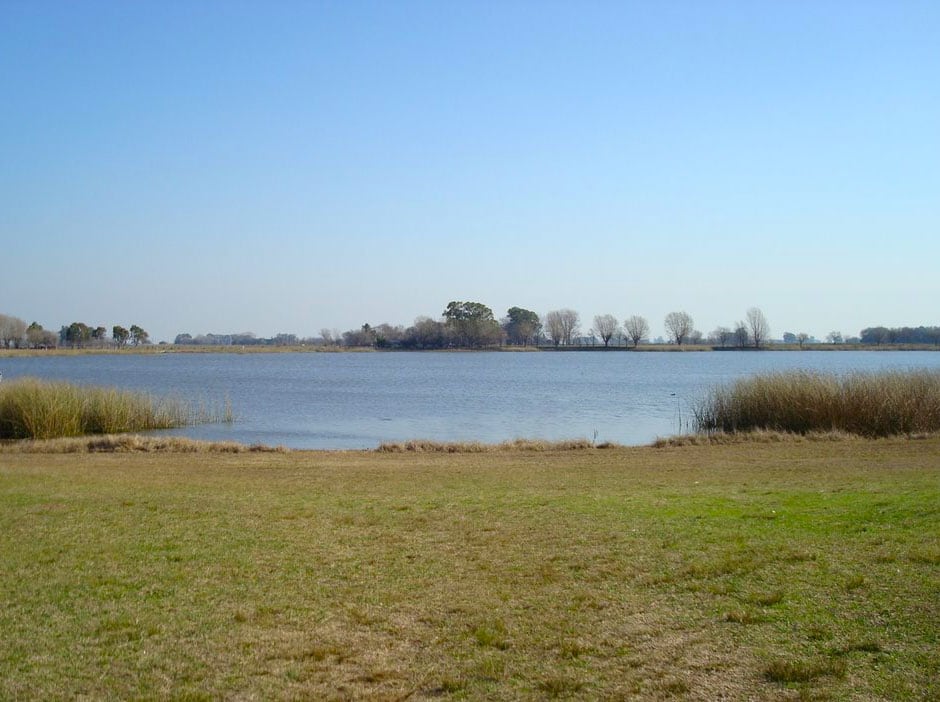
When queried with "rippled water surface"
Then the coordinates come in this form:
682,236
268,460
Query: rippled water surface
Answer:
357,400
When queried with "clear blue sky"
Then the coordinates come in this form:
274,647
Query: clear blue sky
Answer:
283,167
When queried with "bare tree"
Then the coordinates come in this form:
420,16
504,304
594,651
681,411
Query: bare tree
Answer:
327,337
562,326
741,335
605,325
12,331
425,333
802,338
678,326
554,327
834,337
757,326
637,329
722,336
570,319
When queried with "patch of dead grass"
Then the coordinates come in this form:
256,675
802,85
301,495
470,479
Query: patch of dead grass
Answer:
428,446
756,436
132,443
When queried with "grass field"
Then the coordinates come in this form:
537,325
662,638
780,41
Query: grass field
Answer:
791,570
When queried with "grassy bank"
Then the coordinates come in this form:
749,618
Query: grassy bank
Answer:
38,409
752,571
868,404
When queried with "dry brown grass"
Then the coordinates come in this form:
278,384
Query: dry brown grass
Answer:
31,408
757,436
131,443
428,446
886,403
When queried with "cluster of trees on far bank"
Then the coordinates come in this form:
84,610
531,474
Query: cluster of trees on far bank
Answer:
15,333
473,325
80,335
241,339
900,335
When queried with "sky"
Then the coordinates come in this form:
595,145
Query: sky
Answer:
292,166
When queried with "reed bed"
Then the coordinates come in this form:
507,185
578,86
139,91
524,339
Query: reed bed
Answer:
886,403
38,409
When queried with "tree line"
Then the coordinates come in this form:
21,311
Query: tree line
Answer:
15,333
467,324
241,339
473,325
900,335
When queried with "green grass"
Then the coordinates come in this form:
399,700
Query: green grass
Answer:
886,403
38,409
744,571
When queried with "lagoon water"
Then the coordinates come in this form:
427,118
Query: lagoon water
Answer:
357,400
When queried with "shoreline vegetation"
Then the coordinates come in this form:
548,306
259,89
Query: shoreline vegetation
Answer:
38,409
158,349
800,403
876,404
798,568
137,443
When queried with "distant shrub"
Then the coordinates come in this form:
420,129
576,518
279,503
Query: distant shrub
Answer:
37,409
866,404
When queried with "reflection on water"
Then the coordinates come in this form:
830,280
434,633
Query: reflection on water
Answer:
357,400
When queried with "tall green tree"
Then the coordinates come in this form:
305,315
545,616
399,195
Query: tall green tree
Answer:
522,326
75,335
120,335
99,334
39,338
138,335
471,324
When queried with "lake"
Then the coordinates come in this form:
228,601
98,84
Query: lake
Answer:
357,400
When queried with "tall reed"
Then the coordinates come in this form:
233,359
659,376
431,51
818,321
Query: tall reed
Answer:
882,403
38,409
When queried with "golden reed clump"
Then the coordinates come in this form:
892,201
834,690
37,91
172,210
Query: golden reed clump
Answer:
39,409
885,403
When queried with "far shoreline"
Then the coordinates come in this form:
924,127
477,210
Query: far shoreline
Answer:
158,349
